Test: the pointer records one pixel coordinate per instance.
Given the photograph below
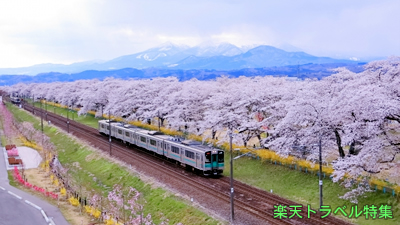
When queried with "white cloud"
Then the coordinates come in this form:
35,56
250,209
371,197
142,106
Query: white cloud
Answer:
44,31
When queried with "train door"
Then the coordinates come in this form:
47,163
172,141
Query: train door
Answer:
160,148
214,160
182,152
197,160
165,150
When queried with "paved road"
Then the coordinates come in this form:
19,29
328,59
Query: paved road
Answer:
16,211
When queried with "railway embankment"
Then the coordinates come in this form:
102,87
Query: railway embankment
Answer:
95,172
303,187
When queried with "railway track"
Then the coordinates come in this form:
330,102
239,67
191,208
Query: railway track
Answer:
253,201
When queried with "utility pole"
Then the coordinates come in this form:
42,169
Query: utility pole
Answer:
102,111
68,119
33,104
46,109
320,172
109,125
41,115
41,121
159,124
232,190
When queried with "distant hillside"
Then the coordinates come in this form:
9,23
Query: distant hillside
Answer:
261,56
222,56
301,71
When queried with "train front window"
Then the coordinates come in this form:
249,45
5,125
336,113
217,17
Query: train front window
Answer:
208,157
221,157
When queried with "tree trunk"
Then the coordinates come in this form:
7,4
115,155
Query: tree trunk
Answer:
259,139
339,143
352,149
213,132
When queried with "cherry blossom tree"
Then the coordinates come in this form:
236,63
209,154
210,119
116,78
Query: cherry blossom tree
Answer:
353,113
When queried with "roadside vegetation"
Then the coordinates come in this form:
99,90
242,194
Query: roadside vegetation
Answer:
95,172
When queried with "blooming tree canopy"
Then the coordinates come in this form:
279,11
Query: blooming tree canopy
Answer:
356,115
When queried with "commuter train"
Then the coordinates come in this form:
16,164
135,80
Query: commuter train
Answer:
15,100
190,154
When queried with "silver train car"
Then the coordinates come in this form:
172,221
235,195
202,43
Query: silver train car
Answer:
190,154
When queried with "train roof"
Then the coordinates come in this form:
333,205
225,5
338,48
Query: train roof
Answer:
107,121
196,145
126,126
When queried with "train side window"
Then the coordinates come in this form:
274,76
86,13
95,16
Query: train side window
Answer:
221,156
189,154
108,127
208,157
102,126
153,142
127,133
119,131
175,149
142,139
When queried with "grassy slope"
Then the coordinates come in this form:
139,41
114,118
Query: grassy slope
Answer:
110,173
303,188
86,119
295,185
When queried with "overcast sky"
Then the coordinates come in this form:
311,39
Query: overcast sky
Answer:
52,31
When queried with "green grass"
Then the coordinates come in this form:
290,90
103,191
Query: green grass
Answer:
109,173
87,119
303,188
11,179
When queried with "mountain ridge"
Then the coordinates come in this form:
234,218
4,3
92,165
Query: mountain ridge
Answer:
222,56
310,70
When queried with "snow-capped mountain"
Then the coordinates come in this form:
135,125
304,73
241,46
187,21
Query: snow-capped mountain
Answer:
162,55
222,56
209,49
258,57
